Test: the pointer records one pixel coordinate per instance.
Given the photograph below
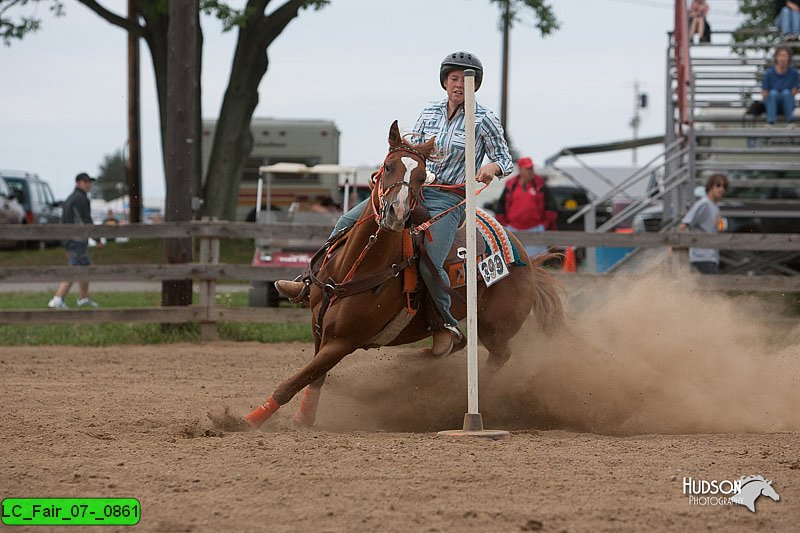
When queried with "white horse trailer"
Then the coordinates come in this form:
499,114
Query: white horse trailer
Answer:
301,141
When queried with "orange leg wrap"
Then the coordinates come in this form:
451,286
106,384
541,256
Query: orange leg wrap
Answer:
307,413
261,414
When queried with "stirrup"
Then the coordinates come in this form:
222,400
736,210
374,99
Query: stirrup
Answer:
457,335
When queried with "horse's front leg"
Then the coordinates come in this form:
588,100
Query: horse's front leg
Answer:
326,358
307,412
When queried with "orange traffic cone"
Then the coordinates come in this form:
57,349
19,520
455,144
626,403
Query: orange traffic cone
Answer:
570,263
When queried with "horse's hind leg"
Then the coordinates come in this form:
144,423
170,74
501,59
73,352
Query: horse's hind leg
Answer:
325,359
503,311
499,351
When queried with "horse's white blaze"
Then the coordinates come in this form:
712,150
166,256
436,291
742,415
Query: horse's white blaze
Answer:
410,164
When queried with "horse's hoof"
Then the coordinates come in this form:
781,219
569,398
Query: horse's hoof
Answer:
229,422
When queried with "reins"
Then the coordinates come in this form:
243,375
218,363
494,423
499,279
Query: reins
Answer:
459,189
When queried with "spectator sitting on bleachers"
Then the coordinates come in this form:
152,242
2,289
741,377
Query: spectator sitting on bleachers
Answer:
697,17
787,19
779,87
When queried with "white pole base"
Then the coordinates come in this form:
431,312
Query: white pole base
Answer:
473,427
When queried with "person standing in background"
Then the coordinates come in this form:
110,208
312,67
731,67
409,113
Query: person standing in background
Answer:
76,210
526,205
704,217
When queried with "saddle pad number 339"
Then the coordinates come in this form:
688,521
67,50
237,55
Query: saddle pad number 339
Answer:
493,268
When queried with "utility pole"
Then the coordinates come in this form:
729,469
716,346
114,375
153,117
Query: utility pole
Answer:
504,76
639,102
134,169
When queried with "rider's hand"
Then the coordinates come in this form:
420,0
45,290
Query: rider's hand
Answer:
487,173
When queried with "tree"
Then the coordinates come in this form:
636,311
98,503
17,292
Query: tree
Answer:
257,31
759,15
111,176
233,141
17,27
511,11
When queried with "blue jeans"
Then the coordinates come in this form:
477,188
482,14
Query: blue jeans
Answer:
349,219
443,233
788,21
779,100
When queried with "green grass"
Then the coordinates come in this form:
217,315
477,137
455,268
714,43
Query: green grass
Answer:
144,251
37,300
114,334
133,252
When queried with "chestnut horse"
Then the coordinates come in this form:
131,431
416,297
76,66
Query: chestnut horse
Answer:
357,300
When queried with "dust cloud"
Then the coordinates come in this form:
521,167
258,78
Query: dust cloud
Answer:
650,355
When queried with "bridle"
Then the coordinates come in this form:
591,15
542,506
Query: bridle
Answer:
350,284
381,192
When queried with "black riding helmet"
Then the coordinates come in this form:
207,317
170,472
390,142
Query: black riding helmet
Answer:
461,61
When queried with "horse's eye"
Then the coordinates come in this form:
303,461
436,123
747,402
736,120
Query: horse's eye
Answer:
387,167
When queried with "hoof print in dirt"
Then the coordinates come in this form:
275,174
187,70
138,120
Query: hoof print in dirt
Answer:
532,525
228,421
194,430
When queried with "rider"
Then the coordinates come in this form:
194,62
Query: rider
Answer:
445,119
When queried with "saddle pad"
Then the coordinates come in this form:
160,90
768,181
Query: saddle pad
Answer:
496,238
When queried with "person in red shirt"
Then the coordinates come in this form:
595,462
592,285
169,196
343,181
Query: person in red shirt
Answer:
524,204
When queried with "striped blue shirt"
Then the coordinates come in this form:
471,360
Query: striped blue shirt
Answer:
451,139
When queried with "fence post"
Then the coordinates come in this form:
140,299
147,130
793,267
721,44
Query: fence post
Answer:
209,254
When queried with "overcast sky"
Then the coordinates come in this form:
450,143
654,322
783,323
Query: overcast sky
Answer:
361,63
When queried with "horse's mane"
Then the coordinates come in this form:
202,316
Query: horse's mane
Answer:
427,149
748,479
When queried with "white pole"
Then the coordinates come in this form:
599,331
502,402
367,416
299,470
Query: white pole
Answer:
346,200
258,196
269,197
473,424
472,267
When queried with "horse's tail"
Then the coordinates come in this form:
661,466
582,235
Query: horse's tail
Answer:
547,305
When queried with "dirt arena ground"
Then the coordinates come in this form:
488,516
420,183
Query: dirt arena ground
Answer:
606,421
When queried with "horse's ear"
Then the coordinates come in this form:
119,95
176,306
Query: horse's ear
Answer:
394,135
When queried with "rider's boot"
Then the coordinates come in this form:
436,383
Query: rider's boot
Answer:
445,339
289,289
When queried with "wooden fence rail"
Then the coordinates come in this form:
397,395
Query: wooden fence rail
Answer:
288,234
208,271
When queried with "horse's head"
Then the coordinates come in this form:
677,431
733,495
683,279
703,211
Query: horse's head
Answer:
400,180
768,490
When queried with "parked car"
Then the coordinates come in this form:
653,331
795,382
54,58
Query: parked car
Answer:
36,198
11,212
278,254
